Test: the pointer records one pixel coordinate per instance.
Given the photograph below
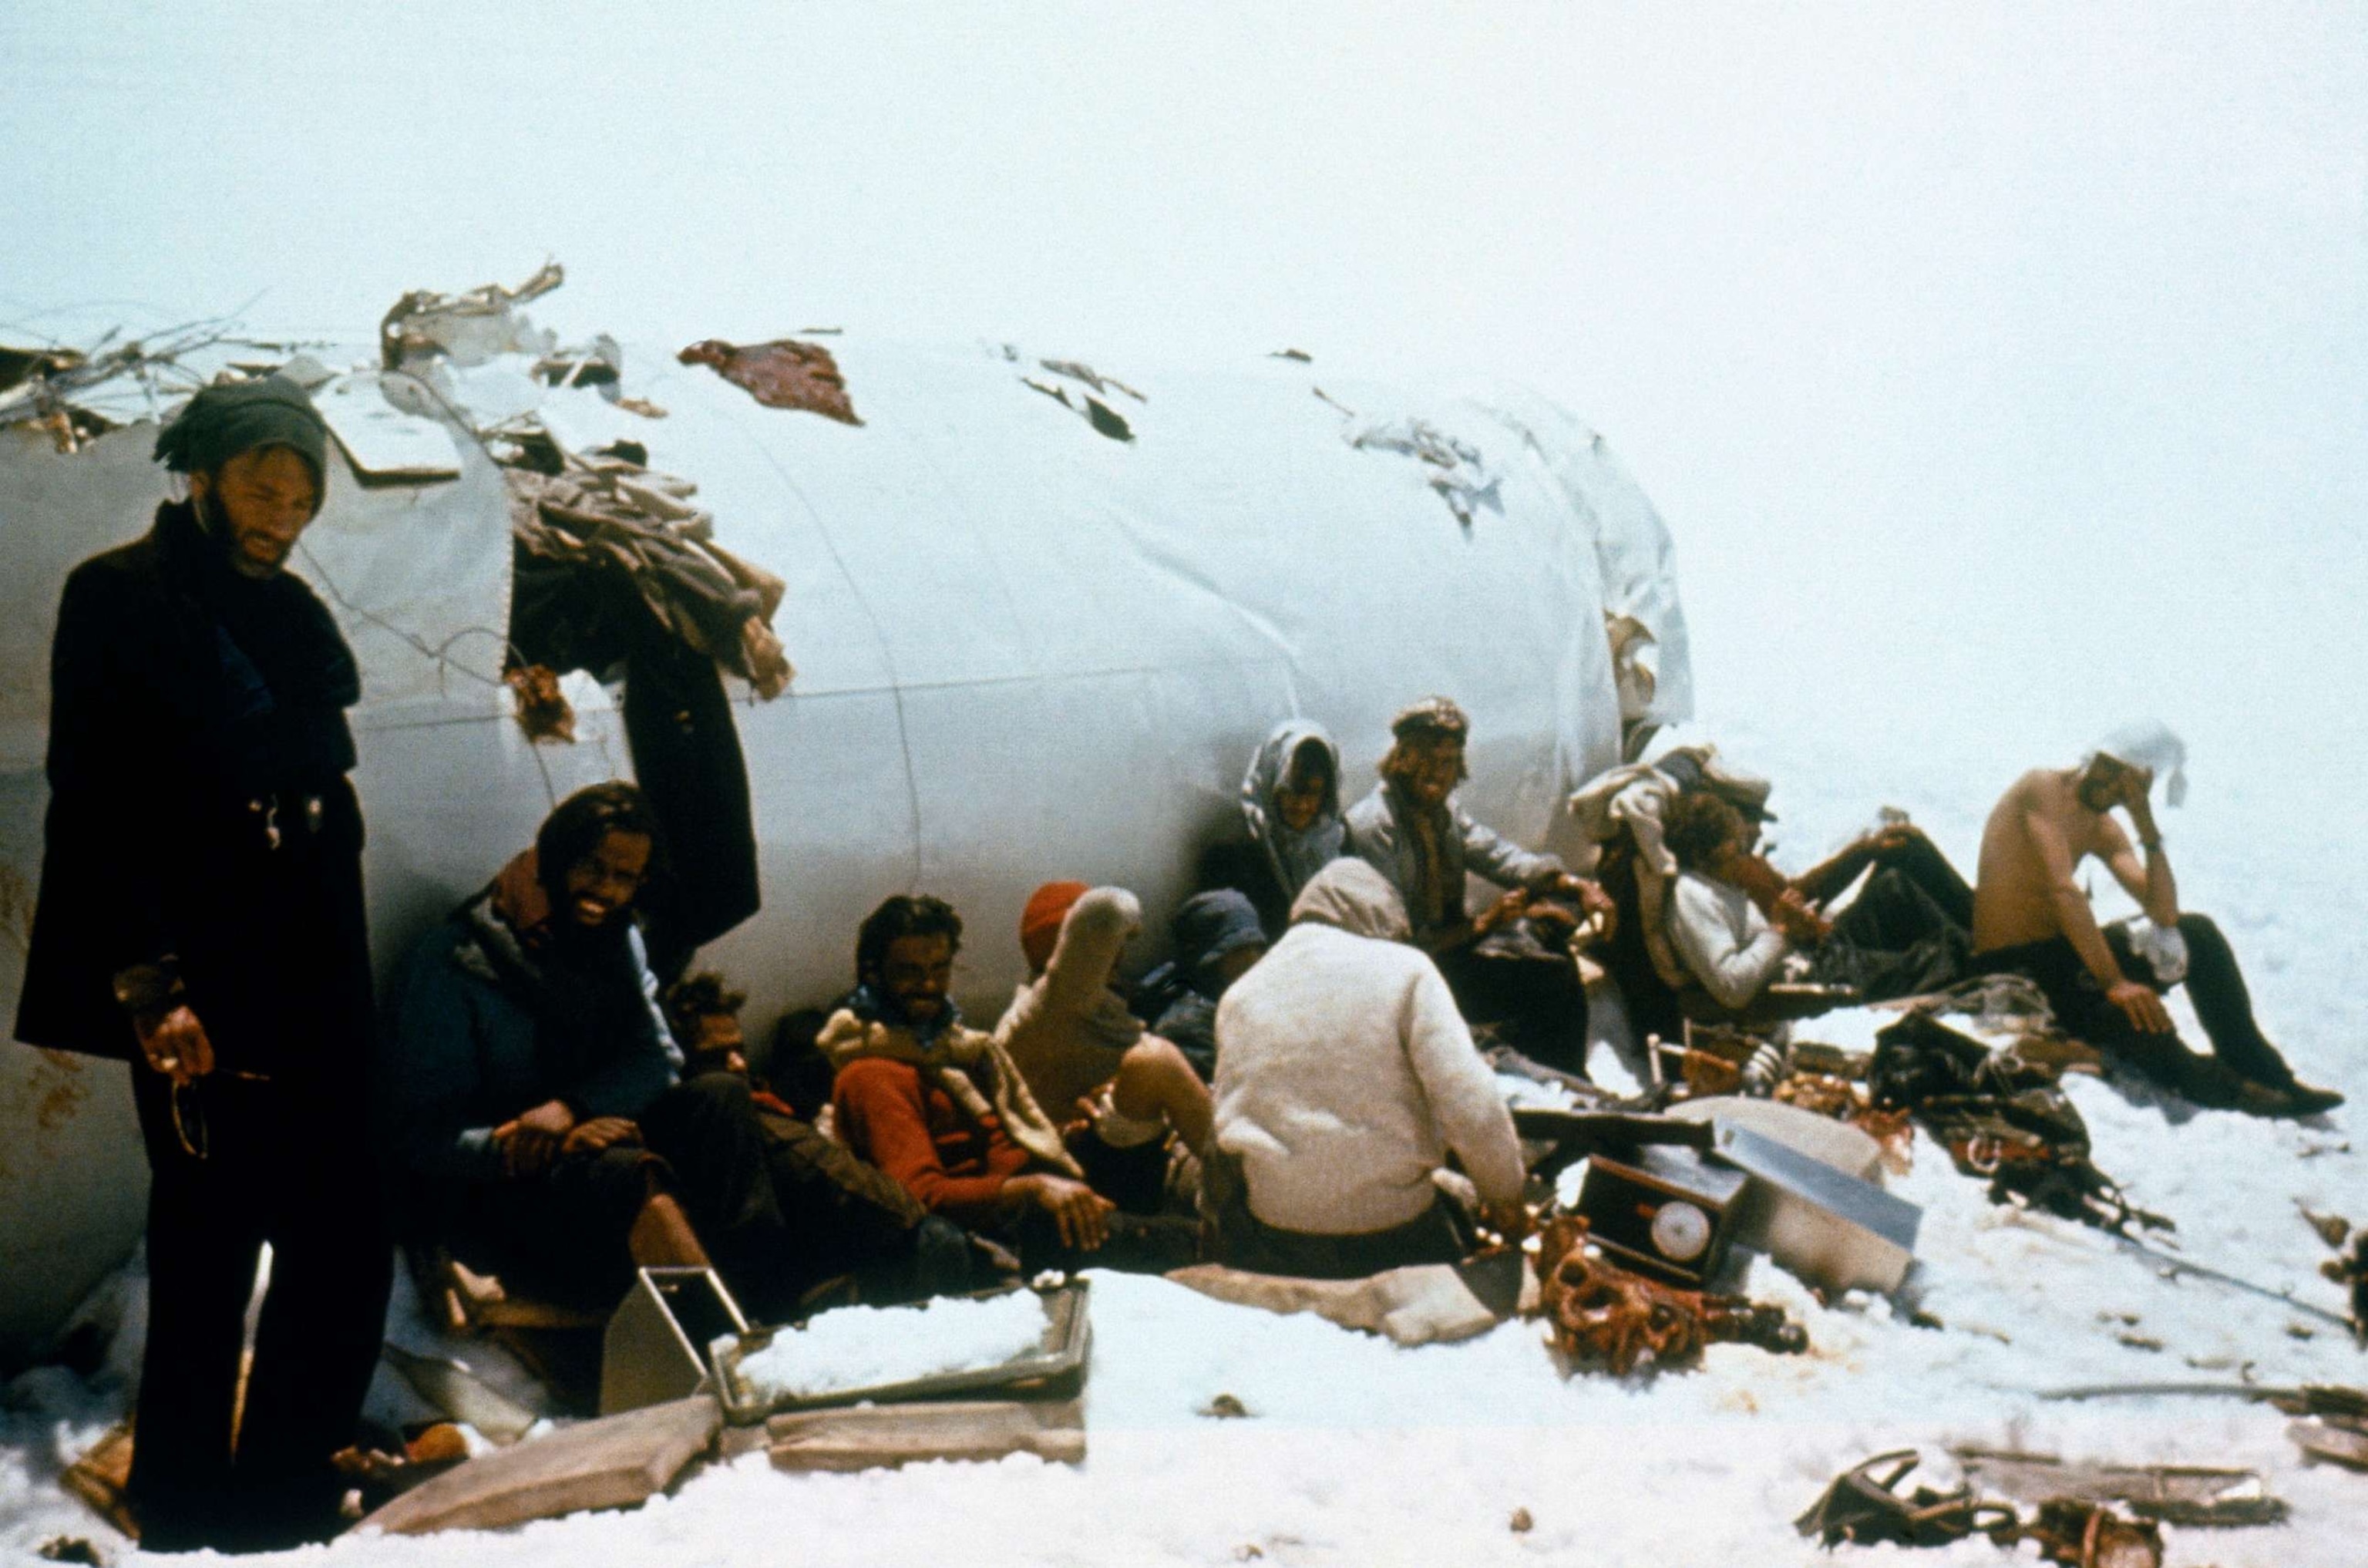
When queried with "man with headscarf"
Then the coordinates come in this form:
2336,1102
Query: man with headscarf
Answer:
1291,806
2105,983
1345,1075
1414,831
202,916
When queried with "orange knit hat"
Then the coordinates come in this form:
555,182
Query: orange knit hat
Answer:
1040,923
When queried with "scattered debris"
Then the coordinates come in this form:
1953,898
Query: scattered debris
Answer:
1225,1407
2332,1439
1520,1523
1106,420
2333,1229
1297,355
100,1477
886,1437
2331,1400
385,444
2348,1269
2139,1340
655,1349
1665,1213
451,1388
2090,1534
1834,1140
615,1462
70,1549
1323,396
1863,1507
2200,1497
783,373
2301,1331
71,394
2001,1115
2173,1267
467,328
378,1477
1087,374
1825,1226
542,709
601,363
1604,1318
1462,480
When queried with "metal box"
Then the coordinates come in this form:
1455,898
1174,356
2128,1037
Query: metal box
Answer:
1663,1212
1055,1368
1832,1230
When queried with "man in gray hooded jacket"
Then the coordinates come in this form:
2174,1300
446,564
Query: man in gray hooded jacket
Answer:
1412,830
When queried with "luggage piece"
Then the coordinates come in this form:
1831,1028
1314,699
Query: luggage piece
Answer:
878,1437
1833,1231
614,1463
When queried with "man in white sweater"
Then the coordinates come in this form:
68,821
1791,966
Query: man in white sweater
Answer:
1345,1075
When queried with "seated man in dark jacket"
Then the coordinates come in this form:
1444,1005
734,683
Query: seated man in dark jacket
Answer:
834,1215
532,1120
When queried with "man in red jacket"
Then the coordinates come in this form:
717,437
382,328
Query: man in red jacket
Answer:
939,1106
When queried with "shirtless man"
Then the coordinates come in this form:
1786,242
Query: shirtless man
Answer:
2030,918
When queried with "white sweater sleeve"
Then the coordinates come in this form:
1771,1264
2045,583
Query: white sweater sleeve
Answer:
1471,1114
1732,968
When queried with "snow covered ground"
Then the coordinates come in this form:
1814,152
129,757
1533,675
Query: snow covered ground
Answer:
1357,1451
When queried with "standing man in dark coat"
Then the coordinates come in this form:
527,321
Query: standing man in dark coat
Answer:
202,916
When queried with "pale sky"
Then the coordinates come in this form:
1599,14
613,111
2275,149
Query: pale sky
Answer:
2007,362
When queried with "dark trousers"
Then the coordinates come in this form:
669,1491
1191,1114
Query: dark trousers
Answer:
282,1165
1537,1005
1919,860
1893,940
1237,1237
2240,1053
778,1213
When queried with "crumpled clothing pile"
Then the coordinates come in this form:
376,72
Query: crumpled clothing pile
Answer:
609,512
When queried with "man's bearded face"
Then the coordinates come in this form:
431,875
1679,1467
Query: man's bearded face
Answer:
259,503
916,972
1434,770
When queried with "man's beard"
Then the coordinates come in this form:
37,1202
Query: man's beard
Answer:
213,521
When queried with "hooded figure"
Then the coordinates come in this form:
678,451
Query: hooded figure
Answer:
1345,1075
1067,1030
1295,756
201,915
1215,935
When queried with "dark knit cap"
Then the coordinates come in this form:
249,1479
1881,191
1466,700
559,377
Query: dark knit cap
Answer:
222,421
1212,925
